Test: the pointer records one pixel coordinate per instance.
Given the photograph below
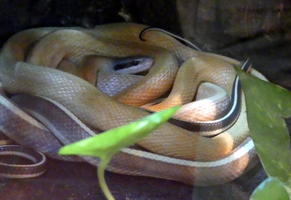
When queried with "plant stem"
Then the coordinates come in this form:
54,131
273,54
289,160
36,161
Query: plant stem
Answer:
101,178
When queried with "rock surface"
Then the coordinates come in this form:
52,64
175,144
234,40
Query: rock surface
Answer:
73,181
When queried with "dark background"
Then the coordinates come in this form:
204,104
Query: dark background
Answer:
260,30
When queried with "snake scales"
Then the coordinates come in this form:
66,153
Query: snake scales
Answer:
61,68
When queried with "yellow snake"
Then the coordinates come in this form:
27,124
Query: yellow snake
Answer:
27,65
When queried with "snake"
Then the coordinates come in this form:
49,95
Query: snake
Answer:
57,68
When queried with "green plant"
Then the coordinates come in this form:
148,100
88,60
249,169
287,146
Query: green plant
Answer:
267,106
108,143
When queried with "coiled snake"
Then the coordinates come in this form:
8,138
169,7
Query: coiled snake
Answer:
54,73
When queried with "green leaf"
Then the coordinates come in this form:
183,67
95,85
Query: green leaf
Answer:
106,144
267,106
111,141
272,189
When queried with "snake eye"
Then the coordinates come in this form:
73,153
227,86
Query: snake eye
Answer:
126,65
133,65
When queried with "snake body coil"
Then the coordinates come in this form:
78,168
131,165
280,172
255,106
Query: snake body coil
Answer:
30,63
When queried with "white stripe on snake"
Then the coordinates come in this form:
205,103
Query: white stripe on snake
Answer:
171,152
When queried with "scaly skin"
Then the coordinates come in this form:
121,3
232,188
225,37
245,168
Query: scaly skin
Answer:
102,112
